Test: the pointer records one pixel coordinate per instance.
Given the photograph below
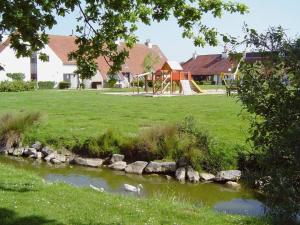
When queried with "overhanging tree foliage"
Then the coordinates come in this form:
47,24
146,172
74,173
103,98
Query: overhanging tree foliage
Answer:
103,22
270,91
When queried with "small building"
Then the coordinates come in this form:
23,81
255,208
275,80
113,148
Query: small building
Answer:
209,67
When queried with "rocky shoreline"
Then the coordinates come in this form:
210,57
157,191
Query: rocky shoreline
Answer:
181,171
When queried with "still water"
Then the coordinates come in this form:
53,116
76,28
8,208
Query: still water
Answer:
221,198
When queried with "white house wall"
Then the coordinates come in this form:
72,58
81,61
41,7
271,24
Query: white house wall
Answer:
52,70
12,64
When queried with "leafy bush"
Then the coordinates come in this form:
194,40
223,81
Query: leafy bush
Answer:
135,83
46,84
64,85
16,76
13,126
16,86
102,146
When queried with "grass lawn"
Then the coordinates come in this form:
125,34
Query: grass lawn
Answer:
26,200
81,114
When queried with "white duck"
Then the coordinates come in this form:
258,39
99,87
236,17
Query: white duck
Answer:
132,188
96,188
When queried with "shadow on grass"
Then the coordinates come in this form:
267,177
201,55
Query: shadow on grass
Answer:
9,217
11,188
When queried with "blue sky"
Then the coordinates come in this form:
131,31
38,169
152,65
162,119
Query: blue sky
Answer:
263,13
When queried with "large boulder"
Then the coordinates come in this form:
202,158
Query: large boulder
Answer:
10,151
206,176
116,158
161,167
91,162
51,156
180,174
120,165
192,175
38,155
60,157
18,152
228,175
37,145
47,151
55,161
233,184
136,167
29,152
3,150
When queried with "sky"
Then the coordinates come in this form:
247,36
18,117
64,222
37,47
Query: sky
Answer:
263,14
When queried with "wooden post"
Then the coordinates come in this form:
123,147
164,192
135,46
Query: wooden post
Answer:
146,86
153,84
138,85
171,77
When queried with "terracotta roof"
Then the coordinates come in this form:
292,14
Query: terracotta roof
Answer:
62,45
208,65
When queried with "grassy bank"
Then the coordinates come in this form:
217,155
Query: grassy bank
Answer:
74,115
25,199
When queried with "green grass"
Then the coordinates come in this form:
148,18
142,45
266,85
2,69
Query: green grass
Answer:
81,114
26,200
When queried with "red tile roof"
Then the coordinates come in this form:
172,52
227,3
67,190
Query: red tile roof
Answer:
62,45
208,65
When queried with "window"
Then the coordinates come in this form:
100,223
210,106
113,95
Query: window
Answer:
67,77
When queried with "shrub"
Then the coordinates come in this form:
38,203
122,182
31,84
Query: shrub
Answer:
135,83
102,146
13,126
16,86
46,84
16,76
64,85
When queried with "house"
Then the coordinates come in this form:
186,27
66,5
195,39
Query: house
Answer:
60,68
209,67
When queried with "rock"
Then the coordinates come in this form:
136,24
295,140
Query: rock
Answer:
168,177
233,184
120,165
38,155
50,156
91,162
60,157
47,151
116,158
30,152
228,175
10,151
180,174
3,150
55,161
192,175
18,152
206,176
161,167
37,145
136,167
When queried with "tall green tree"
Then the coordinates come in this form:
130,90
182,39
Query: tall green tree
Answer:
270,92
150,61
103,22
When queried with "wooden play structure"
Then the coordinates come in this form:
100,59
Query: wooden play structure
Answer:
170,79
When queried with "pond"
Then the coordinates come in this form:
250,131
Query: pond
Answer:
220,197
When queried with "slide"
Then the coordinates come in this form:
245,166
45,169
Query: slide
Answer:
186,87
195,87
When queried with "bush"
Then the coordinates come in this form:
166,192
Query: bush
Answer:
16,86
13,126
102,146
64,85
46,84
16,76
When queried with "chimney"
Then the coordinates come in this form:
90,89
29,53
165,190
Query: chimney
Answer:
148,43
225,52
195,55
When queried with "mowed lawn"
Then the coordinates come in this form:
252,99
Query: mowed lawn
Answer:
81,114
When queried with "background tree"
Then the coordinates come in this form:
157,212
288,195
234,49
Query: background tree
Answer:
103,22
270,91
150,61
